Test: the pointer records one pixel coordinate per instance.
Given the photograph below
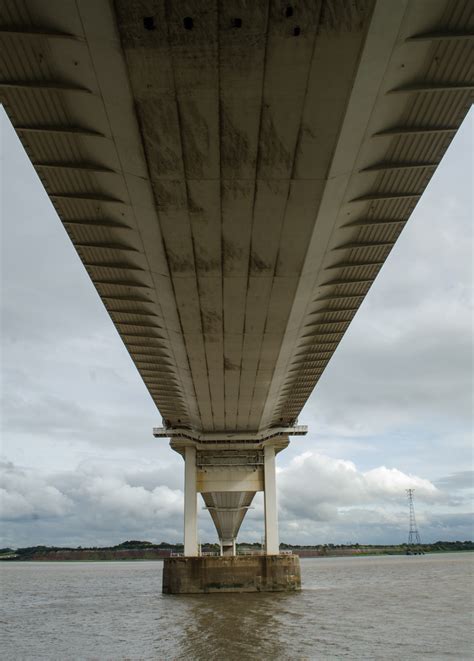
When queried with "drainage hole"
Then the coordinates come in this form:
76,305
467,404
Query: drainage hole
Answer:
149,23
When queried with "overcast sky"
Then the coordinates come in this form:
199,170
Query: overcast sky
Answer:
393,410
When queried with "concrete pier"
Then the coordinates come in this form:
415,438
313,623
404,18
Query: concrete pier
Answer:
227,469
244,573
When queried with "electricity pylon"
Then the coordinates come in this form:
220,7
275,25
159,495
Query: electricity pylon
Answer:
413,534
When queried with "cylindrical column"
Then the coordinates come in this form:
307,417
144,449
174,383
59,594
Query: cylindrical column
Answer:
190,503
272,543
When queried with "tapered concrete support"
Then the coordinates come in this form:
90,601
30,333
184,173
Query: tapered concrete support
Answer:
190,503
272,542
228,547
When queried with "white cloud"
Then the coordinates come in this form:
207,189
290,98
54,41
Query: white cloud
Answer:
113,496
320,498
314,485
23,495
391,483
98,503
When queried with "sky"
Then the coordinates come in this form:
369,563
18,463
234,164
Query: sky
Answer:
393,409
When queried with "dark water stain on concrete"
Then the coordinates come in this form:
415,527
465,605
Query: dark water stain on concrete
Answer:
229,366
235,151
179,263
211,322
195,138
158,122
257,264
205,263
273,155
344,15
231,251
194,208
169,195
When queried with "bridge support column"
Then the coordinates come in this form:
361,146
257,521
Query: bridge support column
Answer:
228,547
228,471
190,502
272,542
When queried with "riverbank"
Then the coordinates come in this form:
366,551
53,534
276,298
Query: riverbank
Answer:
136,550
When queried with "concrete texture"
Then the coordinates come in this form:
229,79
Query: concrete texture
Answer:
255,573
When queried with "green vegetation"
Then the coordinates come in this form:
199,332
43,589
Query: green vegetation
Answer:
435,546
379,549
142,550
129,550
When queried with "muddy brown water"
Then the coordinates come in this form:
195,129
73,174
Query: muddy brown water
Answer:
396,607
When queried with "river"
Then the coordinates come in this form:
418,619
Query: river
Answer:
391,607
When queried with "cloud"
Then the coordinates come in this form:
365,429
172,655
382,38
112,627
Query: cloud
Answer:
457,481
315,485
114,497
460,486
321,499
24,496
98,503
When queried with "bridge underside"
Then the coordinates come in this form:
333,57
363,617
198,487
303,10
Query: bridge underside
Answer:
233,176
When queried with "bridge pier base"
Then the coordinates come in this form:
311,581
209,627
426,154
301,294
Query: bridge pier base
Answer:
241,573
228,469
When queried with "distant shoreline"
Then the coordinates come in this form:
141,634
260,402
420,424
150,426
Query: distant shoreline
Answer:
160,559
146,551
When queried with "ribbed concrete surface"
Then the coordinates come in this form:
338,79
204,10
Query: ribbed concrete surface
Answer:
234,175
